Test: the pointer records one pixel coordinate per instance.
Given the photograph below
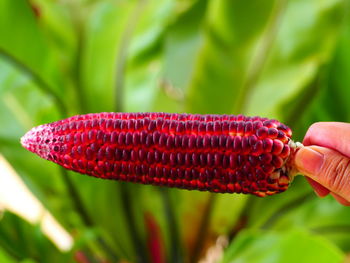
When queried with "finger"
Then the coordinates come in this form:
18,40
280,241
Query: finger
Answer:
340,199
327,167
333,135
319,189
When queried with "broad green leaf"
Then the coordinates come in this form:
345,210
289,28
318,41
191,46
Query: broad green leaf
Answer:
183,38
291,246
5,257
334,85
323,216
102,42
143,79
27,241
297,51
231,34
58,21
25,42
181,43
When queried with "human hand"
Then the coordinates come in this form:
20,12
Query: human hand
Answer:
325,159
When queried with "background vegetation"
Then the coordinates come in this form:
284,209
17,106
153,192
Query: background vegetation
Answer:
284,59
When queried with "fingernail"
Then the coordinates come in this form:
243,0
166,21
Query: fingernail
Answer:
308,160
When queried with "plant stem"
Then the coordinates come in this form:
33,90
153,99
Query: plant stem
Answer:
242,220
79,206
175,245
203,228
77,202
131,224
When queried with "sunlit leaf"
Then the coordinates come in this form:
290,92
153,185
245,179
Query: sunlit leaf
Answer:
233,29
297,51
5,257
26,43
101,46
286,247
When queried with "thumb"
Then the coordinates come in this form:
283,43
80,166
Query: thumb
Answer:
327,167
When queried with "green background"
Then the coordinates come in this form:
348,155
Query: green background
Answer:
283,59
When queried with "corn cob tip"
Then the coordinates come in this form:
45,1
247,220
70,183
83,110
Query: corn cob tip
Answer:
217,153
37,140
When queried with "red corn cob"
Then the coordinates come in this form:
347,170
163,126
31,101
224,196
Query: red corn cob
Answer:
217,153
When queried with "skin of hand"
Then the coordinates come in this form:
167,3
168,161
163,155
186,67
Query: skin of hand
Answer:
325,159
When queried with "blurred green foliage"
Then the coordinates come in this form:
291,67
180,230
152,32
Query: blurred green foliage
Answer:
284,59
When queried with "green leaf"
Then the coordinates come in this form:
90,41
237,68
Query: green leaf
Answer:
23,106
102,34
102,200
323,216
231,34
297,51
5,257
264,212
291,246
143,78
24,240
24,41
181,43
334,85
